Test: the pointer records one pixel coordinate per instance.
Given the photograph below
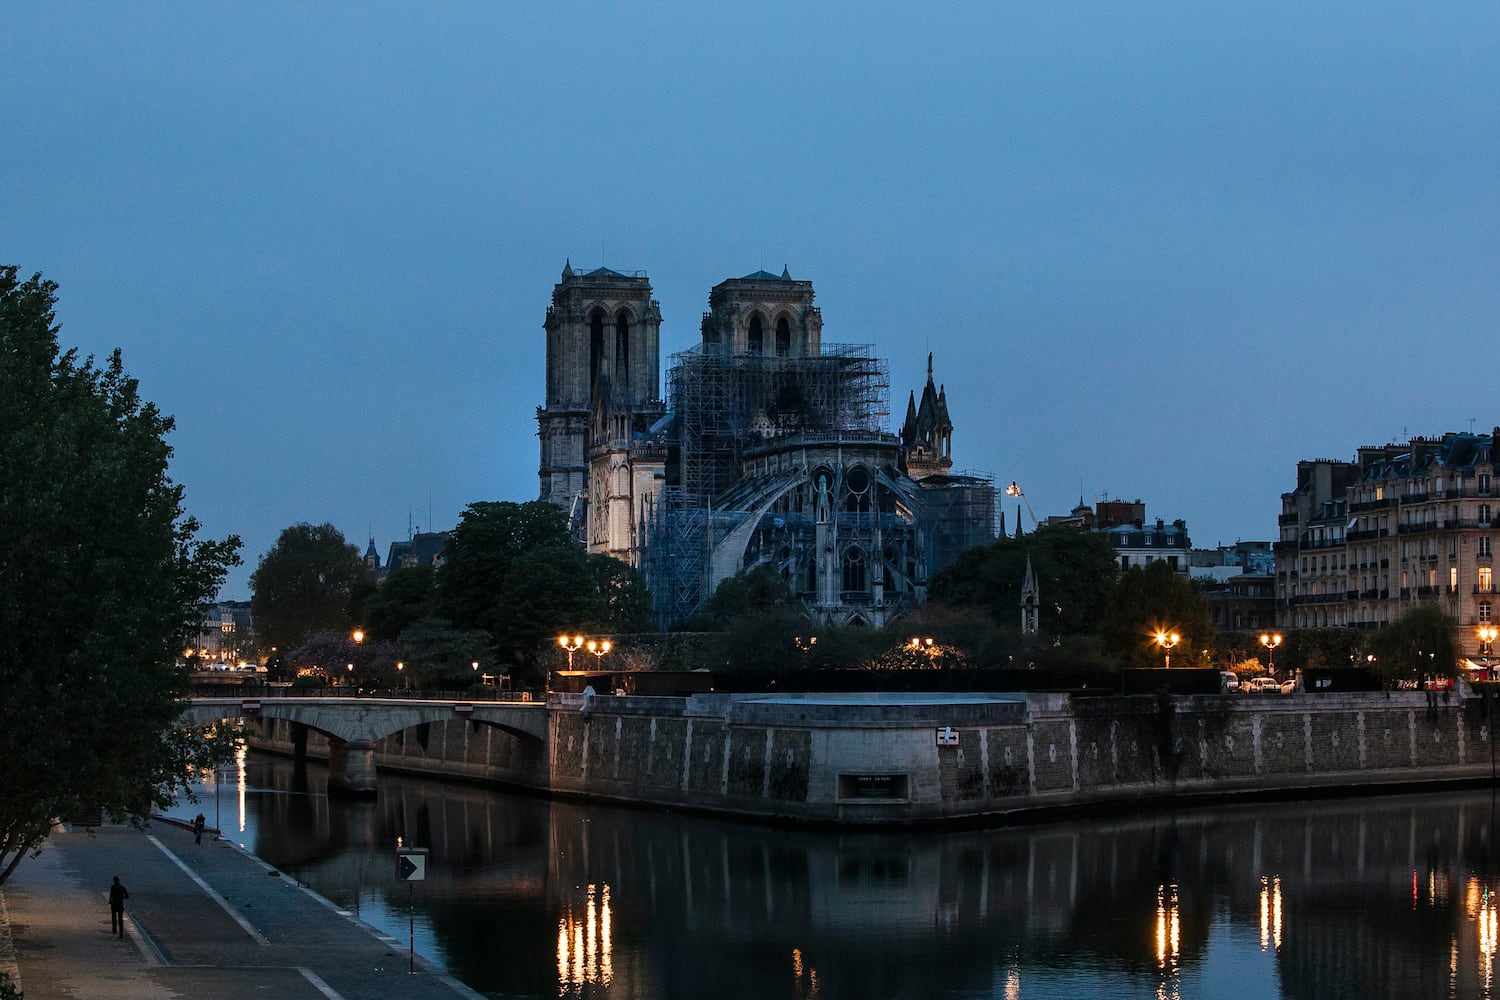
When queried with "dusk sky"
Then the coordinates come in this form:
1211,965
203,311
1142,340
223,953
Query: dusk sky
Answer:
1158,251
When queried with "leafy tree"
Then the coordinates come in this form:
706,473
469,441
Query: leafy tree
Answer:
488,538
757,591
1422,642
102,581
304,584
547,591
405,596
1075,573
437,655
622,588
1148,599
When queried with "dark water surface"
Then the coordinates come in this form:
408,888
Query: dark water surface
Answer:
1361,898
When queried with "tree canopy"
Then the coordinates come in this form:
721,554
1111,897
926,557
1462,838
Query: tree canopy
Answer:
102,581
1421,643
1075,573
512,571
306,583
1151,599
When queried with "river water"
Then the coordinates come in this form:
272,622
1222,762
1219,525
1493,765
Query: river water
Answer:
1353,898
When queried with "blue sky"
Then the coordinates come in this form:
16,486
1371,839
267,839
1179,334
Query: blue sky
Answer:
1159,251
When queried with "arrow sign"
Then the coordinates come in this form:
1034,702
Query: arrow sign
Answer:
411,864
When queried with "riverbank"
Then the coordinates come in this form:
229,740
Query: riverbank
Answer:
202,920
908,760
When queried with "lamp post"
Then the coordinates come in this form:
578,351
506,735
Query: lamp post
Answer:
1271,640
400,675
599,648
1487,635
1166,640
572,644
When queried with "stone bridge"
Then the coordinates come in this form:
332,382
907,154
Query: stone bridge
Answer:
355,725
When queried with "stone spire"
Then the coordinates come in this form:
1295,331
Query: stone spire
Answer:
1030,600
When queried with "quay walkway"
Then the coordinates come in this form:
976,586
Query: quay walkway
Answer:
207,920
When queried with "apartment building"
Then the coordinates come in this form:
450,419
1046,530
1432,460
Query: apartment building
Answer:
1363,542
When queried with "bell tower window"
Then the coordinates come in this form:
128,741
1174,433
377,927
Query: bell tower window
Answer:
757,337
622,349
783,337
596,348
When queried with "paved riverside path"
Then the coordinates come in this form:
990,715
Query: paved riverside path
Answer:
204,920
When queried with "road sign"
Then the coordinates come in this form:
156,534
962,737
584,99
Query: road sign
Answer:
411,864
947,736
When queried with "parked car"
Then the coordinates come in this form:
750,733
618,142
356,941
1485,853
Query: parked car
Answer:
1261,685
1288,687
1229,681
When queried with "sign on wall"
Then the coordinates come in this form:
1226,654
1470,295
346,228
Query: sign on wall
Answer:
947,736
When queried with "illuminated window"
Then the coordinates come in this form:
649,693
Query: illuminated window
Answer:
1486,580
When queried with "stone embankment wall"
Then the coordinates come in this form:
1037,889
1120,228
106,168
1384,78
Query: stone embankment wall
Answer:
853,760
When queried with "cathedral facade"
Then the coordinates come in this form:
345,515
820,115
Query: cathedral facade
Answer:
771,449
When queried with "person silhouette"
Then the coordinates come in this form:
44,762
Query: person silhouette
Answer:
117,896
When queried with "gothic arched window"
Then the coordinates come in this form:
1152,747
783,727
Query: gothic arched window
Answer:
783,337
757,339
596,347
622,349
854,569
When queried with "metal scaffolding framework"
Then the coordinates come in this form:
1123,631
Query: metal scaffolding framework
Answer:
726,404
723,406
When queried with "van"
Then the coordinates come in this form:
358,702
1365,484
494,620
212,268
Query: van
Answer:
1229,681
1262,685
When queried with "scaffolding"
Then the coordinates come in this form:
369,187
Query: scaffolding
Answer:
959,511
726,404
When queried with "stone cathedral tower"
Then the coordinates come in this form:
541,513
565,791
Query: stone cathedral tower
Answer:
603,333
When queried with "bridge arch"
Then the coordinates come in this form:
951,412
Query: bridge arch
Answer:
355,727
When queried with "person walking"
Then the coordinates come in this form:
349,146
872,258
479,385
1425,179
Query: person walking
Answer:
198,822
117,897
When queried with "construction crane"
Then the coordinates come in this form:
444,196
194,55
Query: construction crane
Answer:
1014,490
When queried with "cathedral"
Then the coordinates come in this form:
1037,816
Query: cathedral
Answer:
771,448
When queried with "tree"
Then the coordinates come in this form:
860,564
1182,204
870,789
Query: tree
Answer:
406,595
1423,642
513,572
1152,598
488,537
102,581
1075,574
304,584
437,655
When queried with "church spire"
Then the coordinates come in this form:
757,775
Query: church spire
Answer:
1030,599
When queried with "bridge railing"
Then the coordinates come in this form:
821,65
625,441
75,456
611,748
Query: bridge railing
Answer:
349,691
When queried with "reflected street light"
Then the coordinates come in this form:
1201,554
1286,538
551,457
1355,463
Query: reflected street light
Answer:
1271,640
1166,640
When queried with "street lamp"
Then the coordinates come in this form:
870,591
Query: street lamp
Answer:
1166,640
599,649
1487,635
358,635
572,644
1271,640
401,676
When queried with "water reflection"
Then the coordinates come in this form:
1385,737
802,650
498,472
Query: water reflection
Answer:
1370,898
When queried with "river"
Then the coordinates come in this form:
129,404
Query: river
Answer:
525,898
